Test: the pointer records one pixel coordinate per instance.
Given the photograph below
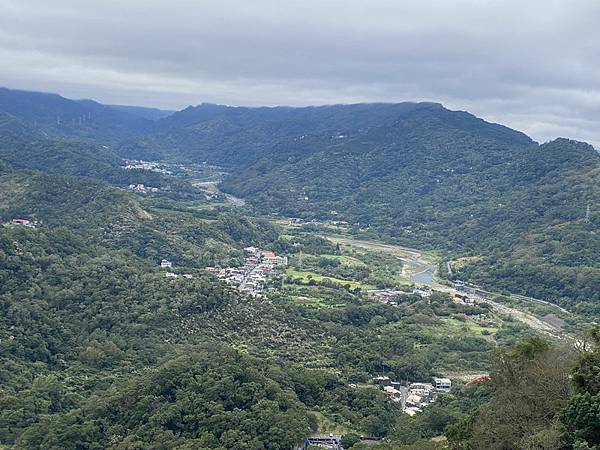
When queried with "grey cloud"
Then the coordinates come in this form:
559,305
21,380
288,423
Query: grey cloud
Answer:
532,65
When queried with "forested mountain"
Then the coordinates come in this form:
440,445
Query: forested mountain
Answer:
236,136
414,173
24,148
21,147
57,116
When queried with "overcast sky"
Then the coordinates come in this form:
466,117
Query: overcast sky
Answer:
531,64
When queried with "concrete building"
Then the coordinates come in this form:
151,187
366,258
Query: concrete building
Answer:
442,384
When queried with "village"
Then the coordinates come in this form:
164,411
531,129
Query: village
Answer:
251,278
391,297
413,397
134,164
259,267
141,188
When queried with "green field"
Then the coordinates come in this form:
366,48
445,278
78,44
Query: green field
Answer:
307,276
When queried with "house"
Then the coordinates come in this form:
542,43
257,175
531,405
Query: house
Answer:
414,400
442,384
166,264
421,292
420,388
24,222
272,258
382,381
411,410
478,379
171,275
393,393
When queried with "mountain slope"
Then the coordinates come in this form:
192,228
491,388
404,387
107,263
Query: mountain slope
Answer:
417,170
21,147
82,119
236,136
24,148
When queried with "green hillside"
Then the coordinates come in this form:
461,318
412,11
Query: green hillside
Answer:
89,323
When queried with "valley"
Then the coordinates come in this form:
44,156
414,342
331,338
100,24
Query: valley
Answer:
241,276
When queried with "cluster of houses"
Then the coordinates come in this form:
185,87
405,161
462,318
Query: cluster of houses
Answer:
166,264
414,396
140,188
391,297
145,165
259,266
24,223
336,223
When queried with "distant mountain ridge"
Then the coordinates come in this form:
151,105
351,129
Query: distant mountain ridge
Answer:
77,119
153,114
237,136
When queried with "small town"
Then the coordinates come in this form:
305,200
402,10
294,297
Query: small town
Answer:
259,267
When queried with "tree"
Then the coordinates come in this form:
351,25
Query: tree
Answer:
532,384
581,416
348,440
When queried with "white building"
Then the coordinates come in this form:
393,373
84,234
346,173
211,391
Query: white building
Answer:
442,384
166,264
420,388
